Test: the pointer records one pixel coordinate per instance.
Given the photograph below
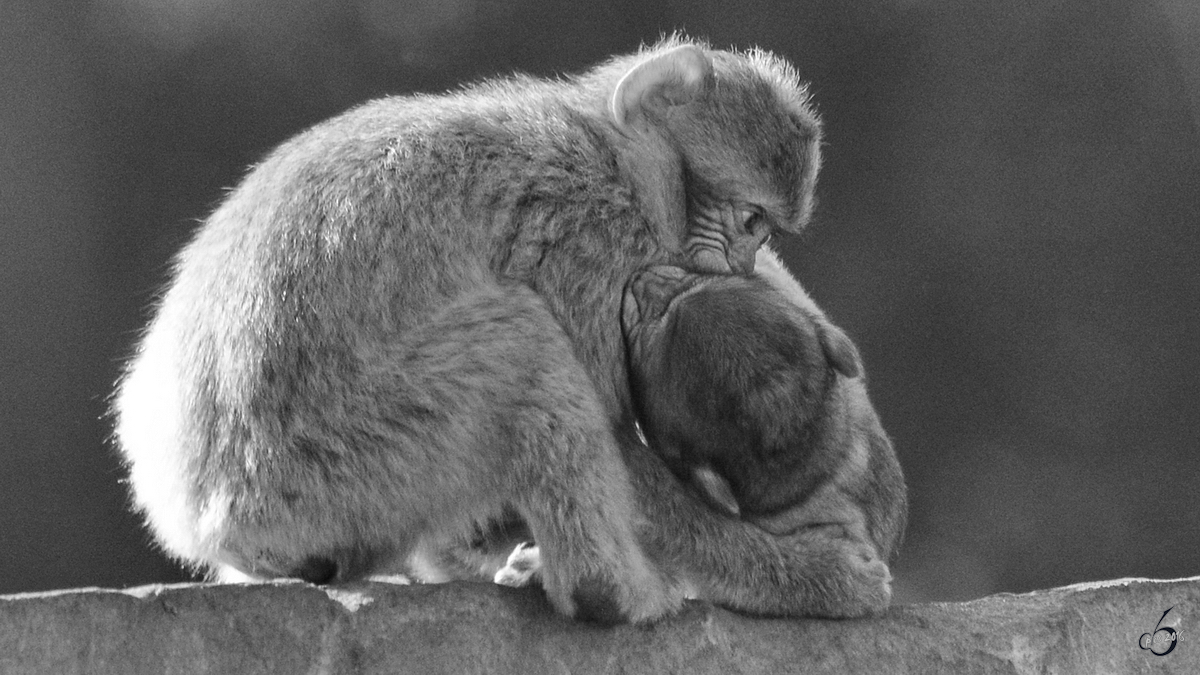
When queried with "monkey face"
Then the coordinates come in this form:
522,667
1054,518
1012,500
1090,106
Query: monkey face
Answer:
747,141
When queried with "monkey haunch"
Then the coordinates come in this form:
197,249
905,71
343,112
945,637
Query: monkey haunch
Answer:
405,322
745,387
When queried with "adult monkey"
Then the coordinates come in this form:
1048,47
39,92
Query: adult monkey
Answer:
405,322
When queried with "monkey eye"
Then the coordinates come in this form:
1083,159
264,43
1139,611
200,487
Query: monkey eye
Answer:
754,223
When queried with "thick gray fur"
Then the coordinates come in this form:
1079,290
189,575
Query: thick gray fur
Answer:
404,324
747,389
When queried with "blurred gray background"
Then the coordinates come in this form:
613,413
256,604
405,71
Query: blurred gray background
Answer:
1009,226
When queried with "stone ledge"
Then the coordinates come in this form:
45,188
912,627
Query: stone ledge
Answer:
479,628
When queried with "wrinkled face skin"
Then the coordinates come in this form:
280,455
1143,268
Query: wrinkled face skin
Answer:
723,233
751,153
728,143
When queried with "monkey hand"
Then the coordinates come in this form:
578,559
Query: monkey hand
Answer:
851,580
650,292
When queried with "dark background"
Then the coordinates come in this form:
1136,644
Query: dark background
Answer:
1009,227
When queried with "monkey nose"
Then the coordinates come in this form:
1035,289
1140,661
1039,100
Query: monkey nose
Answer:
744,246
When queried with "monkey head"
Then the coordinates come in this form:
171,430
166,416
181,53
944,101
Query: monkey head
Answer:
726,145
755,399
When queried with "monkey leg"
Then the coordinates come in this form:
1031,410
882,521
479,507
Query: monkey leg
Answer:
555,444
814,571
480,413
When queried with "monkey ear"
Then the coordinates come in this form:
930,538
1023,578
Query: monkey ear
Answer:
840,351
674,77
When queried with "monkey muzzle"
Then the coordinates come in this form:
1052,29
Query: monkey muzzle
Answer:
725,238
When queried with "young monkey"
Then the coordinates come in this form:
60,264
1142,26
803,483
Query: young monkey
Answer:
748,392
755,399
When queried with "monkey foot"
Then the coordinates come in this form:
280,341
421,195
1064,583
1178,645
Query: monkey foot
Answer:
524,567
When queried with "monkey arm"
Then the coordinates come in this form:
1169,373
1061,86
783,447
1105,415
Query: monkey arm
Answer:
735,564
